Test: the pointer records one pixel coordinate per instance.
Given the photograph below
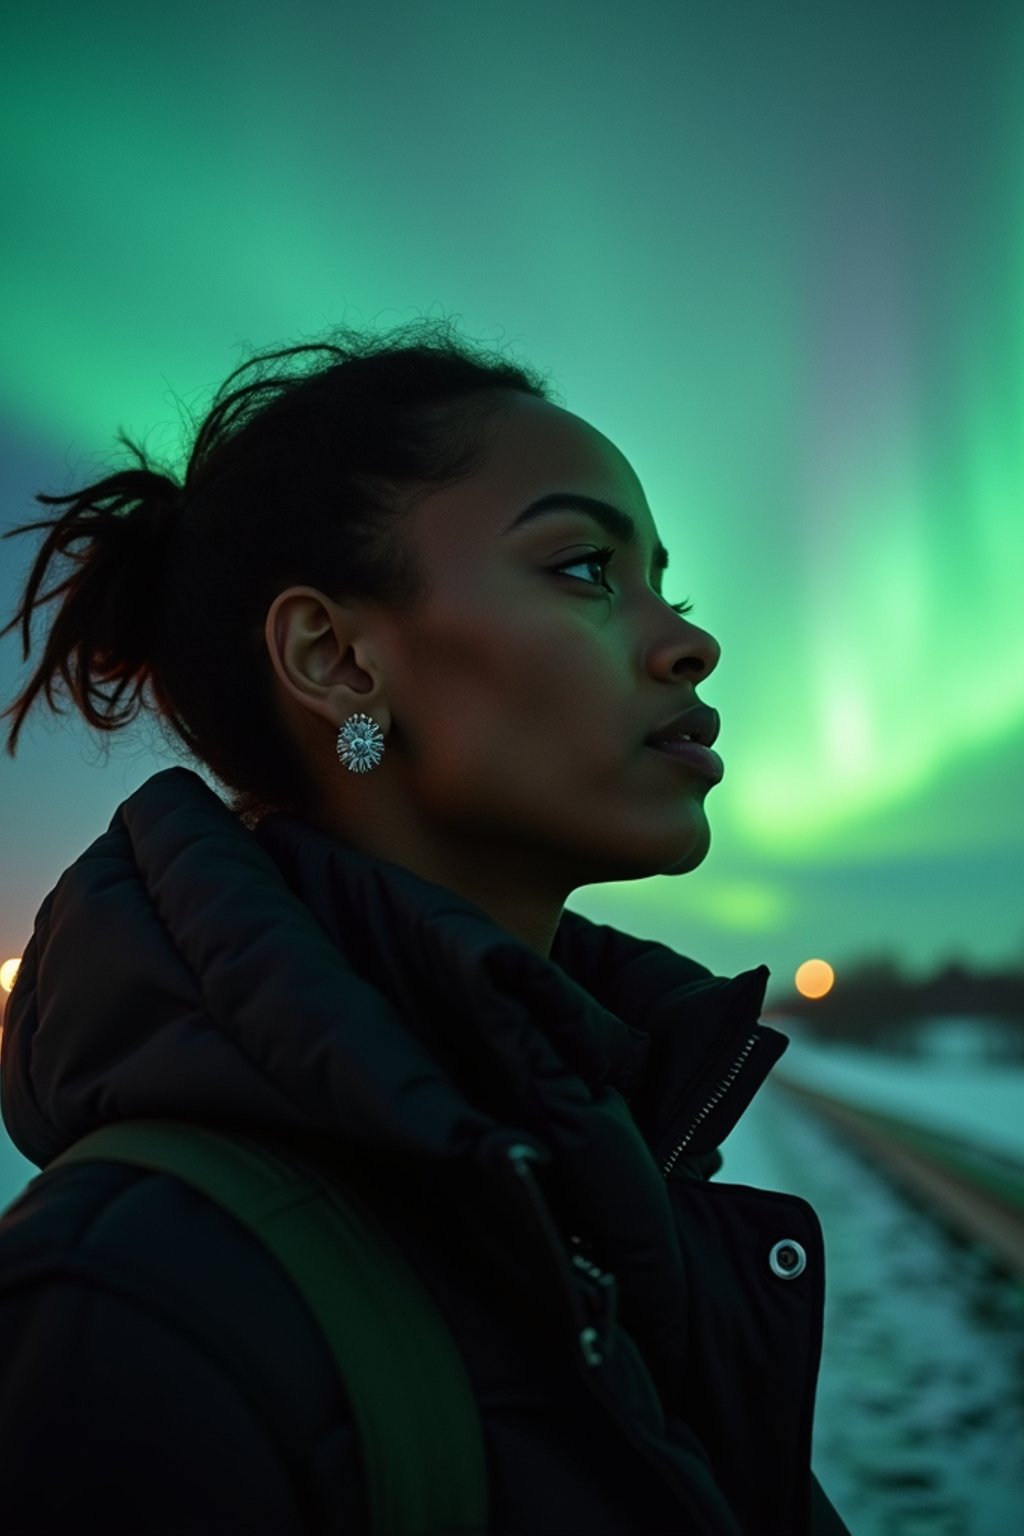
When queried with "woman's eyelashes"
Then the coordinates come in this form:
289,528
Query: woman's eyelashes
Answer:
603,558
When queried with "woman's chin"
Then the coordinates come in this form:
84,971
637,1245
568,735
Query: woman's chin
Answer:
636,865
696,854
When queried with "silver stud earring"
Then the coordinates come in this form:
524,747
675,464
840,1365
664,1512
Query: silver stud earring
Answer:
360,743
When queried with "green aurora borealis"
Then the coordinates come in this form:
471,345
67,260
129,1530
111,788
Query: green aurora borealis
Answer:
774,252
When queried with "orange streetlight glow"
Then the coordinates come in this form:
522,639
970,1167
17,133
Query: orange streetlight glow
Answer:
814,978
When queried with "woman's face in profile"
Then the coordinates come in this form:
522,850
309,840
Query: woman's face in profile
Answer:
521,690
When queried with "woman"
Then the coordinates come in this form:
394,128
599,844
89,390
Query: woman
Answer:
407,612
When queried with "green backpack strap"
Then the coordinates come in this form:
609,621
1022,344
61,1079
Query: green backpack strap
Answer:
414,1408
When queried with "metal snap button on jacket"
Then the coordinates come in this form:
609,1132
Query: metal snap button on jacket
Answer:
788,1259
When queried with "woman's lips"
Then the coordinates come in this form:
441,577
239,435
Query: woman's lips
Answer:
692,755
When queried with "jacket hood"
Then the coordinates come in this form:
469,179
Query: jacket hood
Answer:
279,981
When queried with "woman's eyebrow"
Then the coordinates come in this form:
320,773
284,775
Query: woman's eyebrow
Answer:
612,519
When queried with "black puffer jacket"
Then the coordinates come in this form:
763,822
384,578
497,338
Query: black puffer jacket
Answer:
278,983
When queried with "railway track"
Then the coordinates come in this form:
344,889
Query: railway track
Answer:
977,1194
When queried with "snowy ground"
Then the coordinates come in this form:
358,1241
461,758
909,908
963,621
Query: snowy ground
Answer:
919,1429
15,1170
983,1102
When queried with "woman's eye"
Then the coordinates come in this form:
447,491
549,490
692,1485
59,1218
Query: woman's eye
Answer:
602,559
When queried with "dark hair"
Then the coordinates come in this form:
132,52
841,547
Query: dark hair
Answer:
300,476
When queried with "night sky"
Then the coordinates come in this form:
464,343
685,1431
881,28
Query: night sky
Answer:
774,252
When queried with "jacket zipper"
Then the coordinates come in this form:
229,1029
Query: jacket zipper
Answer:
715,1098
594,1318
588,1337
706,1109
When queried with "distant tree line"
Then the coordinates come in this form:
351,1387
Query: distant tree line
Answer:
876,1004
